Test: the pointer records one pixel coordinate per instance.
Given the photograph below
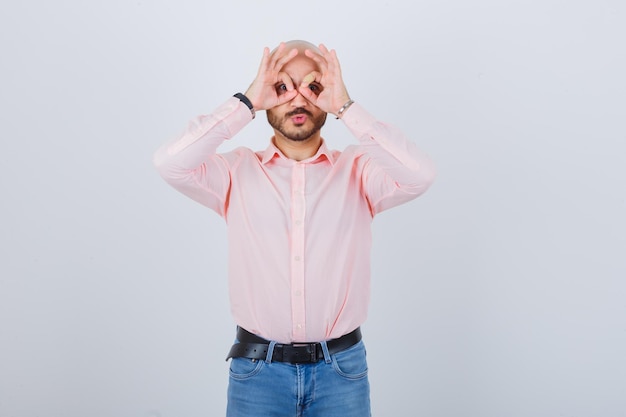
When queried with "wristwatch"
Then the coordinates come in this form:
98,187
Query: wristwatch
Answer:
245,100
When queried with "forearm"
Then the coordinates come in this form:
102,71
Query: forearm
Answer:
202,137
390,150
190,163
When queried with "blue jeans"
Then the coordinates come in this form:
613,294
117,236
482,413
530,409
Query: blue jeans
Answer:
334,387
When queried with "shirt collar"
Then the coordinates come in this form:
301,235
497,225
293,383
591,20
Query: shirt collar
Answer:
273,152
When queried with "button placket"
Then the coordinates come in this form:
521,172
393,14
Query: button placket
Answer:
298,208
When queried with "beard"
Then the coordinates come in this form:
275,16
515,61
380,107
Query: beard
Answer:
297,133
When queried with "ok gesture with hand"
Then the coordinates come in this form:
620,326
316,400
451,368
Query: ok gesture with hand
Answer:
334,94
262,92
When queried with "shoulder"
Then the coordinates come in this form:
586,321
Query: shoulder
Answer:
240,153
350,152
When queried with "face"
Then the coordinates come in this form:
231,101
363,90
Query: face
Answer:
298,119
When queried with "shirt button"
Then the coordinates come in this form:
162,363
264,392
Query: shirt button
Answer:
298,293
297,258
299,326
298,222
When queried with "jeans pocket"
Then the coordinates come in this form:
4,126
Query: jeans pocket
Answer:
243,368
351,363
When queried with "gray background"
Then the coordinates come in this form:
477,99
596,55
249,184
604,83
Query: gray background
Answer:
498,293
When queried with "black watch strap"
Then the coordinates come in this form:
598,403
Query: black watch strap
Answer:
245,100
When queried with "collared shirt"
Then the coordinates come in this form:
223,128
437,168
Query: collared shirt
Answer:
299,232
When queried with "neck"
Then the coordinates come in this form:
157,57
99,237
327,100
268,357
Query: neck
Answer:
297,150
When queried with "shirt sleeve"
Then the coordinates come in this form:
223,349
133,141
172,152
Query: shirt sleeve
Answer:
395,170
191,164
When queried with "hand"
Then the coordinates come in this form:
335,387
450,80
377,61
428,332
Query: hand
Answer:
262,92
334,94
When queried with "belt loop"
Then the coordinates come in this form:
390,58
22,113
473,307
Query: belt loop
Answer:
325,350
270,352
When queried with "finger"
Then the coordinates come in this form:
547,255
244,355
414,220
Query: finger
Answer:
308,94
264,60
319,60
326,53
334,59
275,56
330,56
287,96
286,79
284,59
309,78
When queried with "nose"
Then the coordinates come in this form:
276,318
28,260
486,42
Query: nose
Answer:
299,100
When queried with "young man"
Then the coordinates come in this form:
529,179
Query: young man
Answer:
298,217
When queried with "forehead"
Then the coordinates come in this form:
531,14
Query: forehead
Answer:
300,66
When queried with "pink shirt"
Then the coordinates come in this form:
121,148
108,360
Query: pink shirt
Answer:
299,233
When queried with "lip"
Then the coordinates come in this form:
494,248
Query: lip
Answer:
299,119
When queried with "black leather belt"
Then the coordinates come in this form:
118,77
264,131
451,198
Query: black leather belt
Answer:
252,346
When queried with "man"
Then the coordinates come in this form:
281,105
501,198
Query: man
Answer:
298,217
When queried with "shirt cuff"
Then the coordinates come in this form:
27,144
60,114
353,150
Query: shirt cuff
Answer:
359,121
234,114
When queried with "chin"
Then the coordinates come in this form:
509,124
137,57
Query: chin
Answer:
298,138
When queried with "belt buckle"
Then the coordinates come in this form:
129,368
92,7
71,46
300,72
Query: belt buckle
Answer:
311,349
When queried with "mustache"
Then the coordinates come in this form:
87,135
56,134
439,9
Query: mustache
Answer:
297,111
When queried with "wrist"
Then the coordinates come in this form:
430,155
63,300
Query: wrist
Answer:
344,108
245,100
